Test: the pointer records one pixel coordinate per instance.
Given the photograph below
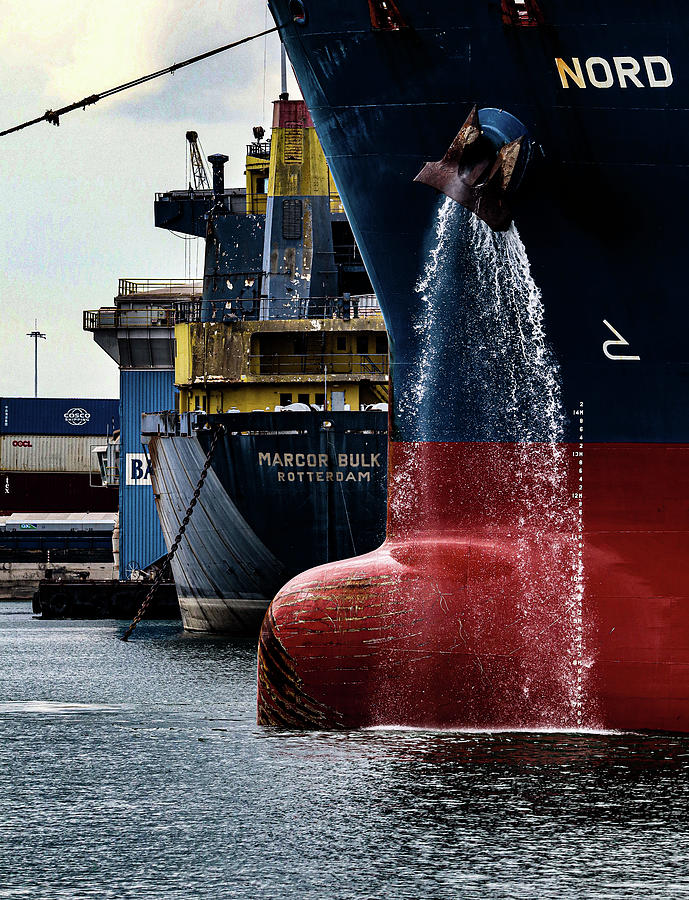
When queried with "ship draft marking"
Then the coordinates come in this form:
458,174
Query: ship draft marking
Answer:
620,342
626,68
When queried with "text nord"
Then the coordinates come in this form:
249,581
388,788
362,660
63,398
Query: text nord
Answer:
622,71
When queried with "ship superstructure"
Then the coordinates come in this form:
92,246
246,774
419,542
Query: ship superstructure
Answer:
287,313
534,573
263,365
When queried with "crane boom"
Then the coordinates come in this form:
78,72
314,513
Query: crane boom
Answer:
198,169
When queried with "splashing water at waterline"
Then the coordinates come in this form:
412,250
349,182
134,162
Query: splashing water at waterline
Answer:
484,372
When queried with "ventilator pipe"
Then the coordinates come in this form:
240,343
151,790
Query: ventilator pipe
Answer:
218,160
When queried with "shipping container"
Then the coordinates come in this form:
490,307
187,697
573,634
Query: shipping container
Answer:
75,535
141,538
76,522
49,453
53,492
77,416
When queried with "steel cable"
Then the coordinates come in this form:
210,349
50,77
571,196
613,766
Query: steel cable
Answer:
53,115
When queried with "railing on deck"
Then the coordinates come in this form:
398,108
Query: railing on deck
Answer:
359,306
189,194
353,306
374,365
228,311
187,311
356,306
126,287
113,317
259,149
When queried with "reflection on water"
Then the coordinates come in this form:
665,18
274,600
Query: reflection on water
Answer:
51,707
138,771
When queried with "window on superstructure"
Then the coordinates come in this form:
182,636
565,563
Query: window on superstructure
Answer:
341,342
285,399
291,218
362,344
303,398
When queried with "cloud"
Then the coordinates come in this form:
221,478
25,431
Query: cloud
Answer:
68,49
80,209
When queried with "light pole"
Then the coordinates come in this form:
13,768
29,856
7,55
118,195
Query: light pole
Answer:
35,334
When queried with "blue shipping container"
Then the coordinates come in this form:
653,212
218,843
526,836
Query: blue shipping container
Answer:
26,415
141,539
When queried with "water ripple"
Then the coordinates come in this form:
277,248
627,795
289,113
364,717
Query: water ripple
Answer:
137,771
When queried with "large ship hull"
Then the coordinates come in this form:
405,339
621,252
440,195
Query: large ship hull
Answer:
285,492
534,573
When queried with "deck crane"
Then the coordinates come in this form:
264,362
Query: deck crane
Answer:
198,169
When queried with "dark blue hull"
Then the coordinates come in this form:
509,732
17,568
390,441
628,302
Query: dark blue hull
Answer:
311,485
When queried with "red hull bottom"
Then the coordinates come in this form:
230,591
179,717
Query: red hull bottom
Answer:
519,588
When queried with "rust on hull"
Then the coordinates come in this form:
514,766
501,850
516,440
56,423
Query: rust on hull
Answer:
475,175
282,700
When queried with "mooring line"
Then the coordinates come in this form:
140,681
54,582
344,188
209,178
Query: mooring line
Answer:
53,115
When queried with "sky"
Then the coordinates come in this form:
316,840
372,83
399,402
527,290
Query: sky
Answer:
77,201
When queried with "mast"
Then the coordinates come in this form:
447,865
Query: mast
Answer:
283,73
35,334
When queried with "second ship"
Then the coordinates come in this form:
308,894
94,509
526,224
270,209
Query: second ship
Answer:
285,352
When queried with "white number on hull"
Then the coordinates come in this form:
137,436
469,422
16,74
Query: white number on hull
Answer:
620,342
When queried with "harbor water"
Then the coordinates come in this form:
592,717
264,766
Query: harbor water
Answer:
138,771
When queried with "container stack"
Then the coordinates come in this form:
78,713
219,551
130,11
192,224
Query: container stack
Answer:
47,459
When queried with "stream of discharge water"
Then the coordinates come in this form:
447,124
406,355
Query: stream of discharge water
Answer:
483,362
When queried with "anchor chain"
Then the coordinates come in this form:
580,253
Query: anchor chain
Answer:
180,534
